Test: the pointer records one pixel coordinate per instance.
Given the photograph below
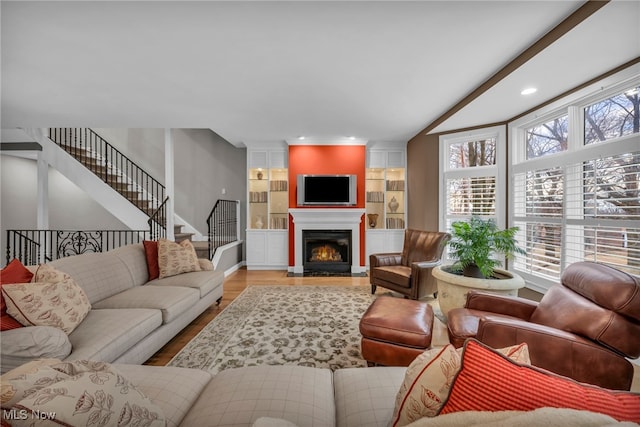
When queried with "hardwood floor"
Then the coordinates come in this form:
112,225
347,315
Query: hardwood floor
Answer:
239,280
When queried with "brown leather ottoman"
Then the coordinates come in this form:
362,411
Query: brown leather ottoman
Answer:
395,331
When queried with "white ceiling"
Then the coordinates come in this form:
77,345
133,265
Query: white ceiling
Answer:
272,71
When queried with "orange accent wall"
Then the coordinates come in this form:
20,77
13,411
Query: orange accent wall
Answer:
326,159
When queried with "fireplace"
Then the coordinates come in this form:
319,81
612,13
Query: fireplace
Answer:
327,220
326,251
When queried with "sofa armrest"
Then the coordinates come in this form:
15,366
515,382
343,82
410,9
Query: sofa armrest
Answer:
521,308
22,345
561,352
380,260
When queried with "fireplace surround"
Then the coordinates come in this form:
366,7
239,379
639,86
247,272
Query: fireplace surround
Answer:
328,220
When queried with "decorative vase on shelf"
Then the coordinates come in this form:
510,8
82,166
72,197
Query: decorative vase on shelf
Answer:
260,175
393,205
373,220
259,222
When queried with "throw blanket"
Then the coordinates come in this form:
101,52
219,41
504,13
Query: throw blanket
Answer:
547,417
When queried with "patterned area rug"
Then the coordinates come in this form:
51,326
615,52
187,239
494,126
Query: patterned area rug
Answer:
277,325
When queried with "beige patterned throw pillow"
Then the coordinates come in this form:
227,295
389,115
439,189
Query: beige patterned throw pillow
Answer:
96,394
176,258
49,274
428,380
62,304
27,379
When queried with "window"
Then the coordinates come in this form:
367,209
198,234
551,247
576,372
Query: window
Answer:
575,177
471,179
547,138
612,117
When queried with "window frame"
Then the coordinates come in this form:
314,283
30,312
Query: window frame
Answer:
577,152
498,170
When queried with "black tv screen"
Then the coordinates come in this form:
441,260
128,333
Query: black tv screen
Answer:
326,190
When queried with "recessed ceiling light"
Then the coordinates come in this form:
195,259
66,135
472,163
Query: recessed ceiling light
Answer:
352,138
528,91
301,138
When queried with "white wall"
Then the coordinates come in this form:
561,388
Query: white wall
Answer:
70,208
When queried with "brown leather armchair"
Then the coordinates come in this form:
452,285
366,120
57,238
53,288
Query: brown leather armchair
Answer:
583,328
409,272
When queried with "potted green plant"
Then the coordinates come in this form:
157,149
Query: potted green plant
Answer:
474,244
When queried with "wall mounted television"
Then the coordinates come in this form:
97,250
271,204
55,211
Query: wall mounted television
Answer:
327,190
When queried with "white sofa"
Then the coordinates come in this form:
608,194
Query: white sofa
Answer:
131,318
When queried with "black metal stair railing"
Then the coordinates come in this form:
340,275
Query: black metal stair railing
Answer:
35,246
158,220
112,166
222,224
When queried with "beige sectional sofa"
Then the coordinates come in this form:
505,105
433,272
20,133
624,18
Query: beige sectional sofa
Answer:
301,395
131,318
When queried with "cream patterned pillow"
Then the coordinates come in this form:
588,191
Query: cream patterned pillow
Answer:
49,274
174,258
62,305
428,380
95,394
27,379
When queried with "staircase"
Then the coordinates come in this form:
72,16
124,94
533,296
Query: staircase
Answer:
137,198
115,169
201,247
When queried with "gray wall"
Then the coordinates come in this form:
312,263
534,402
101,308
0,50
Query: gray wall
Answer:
205,164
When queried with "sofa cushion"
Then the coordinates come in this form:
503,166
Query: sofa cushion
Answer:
60,304
203,281
174,390
364,396
22,345
106,334
176,258
171,300
505,385
134,258
298,394
100,275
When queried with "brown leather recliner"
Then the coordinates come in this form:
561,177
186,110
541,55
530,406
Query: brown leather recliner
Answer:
584,328
409,272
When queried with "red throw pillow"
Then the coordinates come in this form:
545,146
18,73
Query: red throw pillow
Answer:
14,272
489,381
151,253
7,323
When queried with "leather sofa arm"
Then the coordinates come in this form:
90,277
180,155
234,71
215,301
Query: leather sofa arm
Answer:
521,308
561,352
381,260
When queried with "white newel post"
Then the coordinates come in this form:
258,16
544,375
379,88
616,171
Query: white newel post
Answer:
169,177
328,219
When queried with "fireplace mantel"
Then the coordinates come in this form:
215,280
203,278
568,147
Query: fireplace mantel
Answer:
328,219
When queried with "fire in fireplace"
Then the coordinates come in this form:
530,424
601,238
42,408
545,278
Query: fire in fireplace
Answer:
327,251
